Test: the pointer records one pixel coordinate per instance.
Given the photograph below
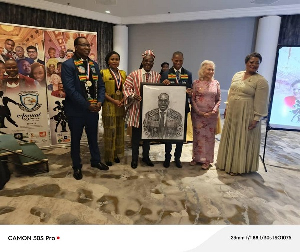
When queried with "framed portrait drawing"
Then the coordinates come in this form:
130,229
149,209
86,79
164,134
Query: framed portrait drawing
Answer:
163,112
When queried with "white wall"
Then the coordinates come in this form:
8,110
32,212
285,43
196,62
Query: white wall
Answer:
225,41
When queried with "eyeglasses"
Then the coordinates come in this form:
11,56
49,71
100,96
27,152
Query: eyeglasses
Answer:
84,45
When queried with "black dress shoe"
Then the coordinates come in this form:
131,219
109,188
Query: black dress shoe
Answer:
133,164
178,163
117,160
108,163
77,174
166,163
100,166
147,161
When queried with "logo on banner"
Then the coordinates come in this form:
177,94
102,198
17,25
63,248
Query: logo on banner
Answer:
43,134
18,136
62,138
29,101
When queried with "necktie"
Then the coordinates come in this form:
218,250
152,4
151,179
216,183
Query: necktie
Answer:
162,123
177,76
147,77
9,55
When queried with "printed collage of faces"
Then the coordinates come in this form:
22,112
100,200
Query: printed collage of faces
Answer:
31,59
30,67
20,71
23,108
22,66
55,54
59,46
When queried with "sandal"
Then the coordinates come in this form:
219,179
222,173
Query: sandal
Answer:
192,163
205,166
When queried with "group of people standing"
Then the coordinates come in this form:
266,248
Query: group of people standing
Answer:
31,68
88,90
19,72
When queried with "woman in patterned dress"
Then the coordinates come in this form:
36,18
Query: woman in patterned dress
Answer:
113,109
246,105
205,107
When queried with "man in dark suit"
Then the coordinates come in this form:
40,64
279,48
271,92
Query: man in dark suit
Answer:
15,82
163,122
33,55
85,93
177,75
24,67
8,50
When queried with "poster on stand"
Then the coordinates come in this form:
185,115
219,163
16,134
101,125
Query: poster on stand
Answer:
59,47
23,99
30,81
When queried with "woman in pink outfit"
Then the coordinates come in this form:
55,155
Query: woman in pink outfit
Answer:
205,106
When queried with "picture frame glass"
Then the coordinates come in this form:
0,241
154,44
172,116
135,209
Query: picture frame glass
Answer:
163,114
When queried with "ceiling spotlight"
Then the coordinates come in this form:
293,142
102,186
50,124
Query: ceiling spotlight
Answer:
107,11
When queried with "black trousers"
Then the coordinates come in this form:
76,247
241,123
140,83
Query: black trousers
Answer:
76,124
168,149
178,149
135,143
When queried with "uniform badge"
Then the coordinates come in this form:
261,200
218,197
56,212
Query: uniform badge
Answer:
88,83
81,69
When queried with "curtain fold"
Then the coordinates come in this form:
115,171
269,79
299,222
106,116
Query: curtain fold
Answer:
16,14
290,30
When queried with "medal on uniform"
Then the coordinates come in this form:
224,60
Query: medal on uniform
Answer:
81,69
118,81
89,82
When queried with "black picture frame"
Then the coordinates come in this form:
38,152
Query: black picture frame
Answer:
175,118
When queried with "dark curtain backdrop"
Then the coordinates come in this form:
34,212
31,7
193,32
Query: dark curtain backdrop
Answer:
15,14
290,30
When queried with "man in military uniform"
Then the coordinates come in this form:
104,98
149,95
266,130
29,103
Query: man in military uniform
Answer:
163,122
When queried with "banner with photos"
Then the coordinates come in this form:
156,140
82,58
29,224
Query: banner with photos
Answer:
30,80
23,100
59,47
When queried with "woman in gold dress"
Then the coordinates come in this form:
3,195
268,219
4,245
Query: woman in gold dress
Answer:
113,109
247,104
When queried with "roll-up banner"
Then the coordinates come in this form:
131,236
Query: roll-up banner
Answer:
31,90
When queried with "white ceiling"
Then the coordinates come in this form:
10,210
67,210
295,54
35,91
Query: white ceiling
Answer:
151,11
130,8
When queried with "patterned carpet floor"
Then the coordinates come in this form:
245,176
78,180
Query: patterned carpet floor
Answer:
155,195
